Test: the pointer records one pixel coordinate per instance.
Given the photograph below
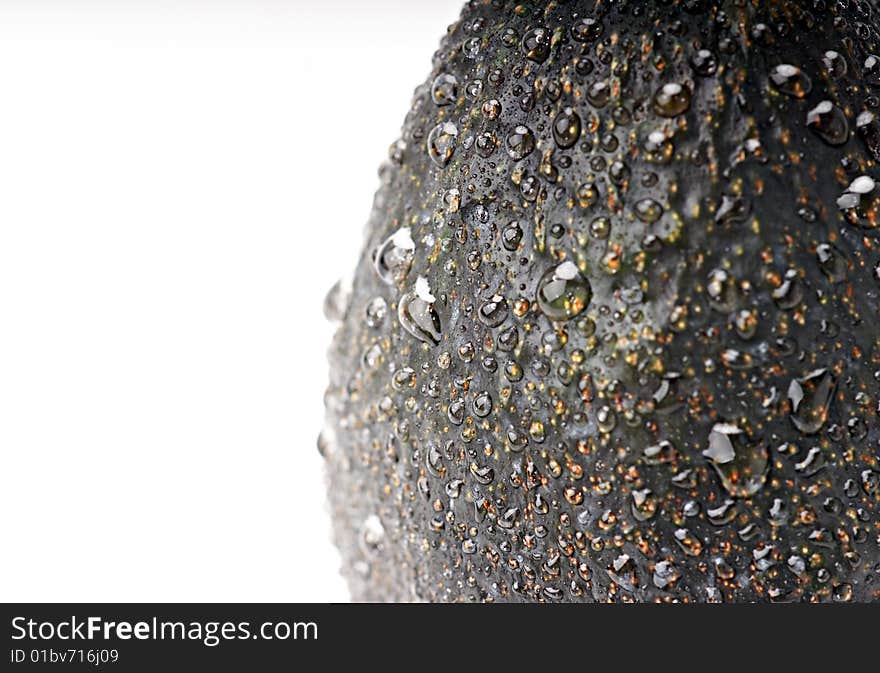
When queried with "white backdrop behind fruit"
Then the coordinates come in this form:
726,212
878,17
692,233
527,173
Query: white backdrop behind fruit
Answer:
180,184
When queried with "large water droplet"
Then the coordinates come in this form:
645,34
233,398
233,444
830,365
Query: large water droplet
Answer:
672,99
868,130
587,195
511,236
665,574
599,94
536,44
566,128
704,63
441,143
810,398
790,292
871,70
732,209
375,312
586,29
832,262
622,572
828,122
417,314
722,290
494,311
563,292
790,80
746,323
644,504
482,404
658,148
834,64
812,463
444,89
648,210
520,143
723,513
394,256
456,412
689,543
860,203
741,464
483,474
606,419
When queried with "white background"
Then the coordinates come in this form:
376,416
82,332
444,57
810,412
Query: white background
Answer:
180,183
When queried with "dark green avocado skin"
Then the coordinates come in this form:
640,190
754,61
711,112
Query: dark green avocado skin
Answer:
615,331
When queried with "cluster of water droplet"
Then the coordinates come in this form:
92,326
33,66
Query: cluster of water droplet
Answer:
618,334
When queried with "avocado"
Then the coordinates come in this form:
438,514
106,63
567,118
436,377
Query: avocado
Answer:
615,332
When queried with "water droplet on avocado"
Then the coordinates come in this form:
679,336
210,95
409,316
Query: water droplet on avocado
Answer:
704,63
486,144
472,47
444,89
587,195
599,94
418,317
790,293
665,574
441,143
375,312
455,412
868,129
494,311
834,64
746,323
371,357
511,236
688,542
648,210
723,513
563,292
394,256
732,209
586,29
832,262
520,143
600,227
606,419
741,464
810,398
722,290
403,378
482,404
860,203
644,504
483,474
536,44
790,80
622,572
871,70
566,128
658,148
672,99
828,122
812,463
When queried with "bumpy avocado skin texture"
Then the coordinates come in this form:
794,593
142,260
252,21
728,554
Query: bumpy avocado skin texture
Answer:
700,424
